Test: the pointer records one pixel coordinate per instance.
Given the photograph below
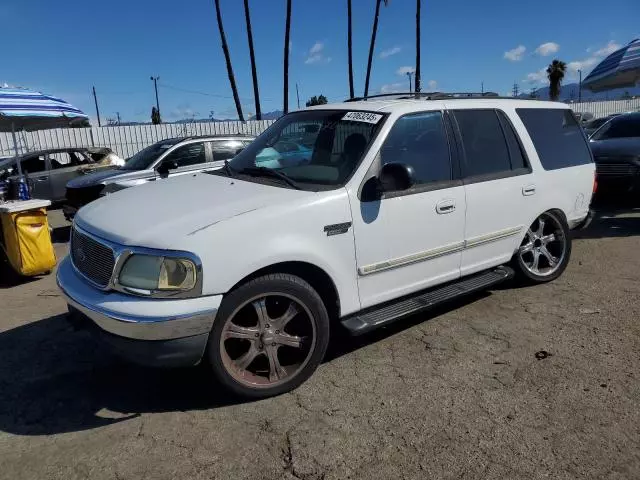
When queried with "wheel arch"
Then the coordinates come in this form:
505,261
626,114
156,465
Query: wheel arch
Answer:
318,278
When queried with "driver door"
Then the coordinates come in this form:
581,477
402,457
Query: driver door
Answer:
188,158
411,239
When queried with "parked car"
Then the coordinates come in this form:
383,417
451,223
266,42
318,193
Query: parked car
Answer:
49,171
402,206
592,125
616,150
167,158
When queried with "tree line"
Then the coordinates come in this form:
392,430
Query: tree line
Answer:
285,73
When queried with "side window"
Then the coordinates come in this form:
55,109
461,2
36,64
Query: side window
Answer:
515,148
485,147
419,140
80,158
60,160
33,164
557,137
190,154
226,150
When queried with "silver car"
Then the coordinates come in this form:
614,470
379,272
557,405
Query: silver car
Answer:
167,158
48,171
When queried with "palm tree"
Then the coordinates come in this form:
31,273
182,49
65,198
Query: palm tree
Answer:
374,32
227,57
555,74
287,31
416,84
349,50
252,56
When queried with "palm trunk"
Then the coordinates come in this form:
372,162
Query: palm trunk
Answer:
227,57
350,50
416,85
287,31
252,56
374,31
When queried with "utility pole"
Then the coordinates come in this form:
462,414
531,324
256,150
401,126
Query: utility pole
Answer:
155,83
516,90
298,95
580,87
95,99
118,116
409,75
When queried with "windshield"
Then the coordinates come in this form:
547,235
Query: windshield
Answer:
623,126
145,157
320,147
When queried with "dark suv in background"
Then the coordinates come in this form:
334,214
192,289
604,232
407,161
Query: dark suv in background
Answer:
616,151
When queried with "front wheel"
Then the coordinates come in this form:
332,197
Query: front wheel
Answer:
269,336
545,250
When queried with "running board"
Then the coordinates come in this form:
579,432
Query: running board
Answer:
363,322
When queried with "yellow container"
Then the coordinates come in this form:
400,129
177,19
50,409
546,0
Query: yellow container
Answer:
27,241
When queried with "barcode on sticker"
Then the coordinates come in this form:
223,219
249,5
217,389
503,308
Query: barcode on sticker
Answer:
362,117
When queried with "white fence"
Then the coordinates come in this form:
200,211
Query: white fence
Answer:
602,109
124,140
127,140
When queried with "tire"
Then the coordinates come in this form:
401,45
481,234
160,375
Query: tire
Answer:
534,243
270,300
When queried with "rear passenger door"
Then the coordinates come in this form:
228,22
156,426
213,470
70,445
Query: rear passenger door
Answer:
499,185
224,150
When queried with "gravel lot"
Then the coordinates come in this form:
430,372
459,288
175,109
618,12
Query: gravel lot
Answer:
458,393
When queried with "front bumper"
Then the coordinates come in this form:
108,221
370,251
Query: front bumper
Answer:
148,331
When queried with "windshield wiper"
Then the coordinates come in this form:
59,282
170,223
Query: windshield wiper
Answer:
228,169
268,172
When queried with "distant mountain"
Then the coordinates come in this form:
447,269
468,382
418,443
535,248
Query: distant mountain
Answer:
569,92
270,115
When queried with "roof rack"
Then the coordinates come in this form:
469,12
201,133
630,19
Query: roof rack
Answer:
428,95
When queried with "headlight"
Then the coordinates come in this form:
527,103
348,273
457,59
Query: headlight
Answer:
148,274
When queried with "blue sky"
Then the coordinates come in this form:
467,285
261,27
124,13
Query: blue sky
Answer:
117,45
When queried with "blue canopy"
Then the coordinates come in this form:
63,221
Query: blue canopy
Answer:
620,69
29,110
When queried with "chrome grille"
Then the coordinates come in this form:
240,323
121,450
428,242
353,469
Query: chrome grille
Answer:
93,259
618,169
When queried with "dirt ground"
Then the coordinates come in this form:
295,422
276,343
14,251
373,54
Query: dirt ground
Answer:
463,392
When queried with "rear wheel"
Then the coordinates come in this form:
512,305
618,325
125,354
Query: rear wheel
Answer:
269,336
545,250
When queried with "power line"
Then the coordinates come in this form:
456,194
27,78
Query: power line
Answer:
206,94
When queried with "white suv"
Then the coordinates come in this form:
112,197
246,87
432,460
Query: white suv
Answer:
367,212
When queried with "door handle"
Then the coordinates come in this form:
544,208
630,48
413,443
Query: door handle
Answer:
446,206
528,190
41,179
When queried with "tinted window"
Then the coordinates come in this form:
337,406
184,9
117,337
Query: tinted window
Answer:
516,152
190,154
226,150
145,157
33,164
60,160
623,126
557,137
419,140
484,144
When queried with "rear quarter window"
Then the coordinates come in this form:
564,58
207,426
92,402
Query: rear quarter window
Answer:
558,138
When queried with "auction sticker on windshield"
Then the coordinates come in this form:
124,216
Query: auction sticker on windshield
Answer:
362,117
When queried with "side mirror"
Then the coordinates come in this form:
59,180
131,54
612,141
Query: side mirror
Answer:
166,166
396,176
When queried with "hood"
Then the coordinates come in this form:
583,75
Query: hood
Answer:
92,179
159,213
614,147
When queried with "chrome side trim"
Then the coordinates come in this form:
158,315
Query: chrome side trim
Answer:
439,251
492,237
413,258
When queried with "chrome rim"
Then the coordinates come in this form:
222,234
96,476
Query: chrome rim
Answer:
544,246
268,340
